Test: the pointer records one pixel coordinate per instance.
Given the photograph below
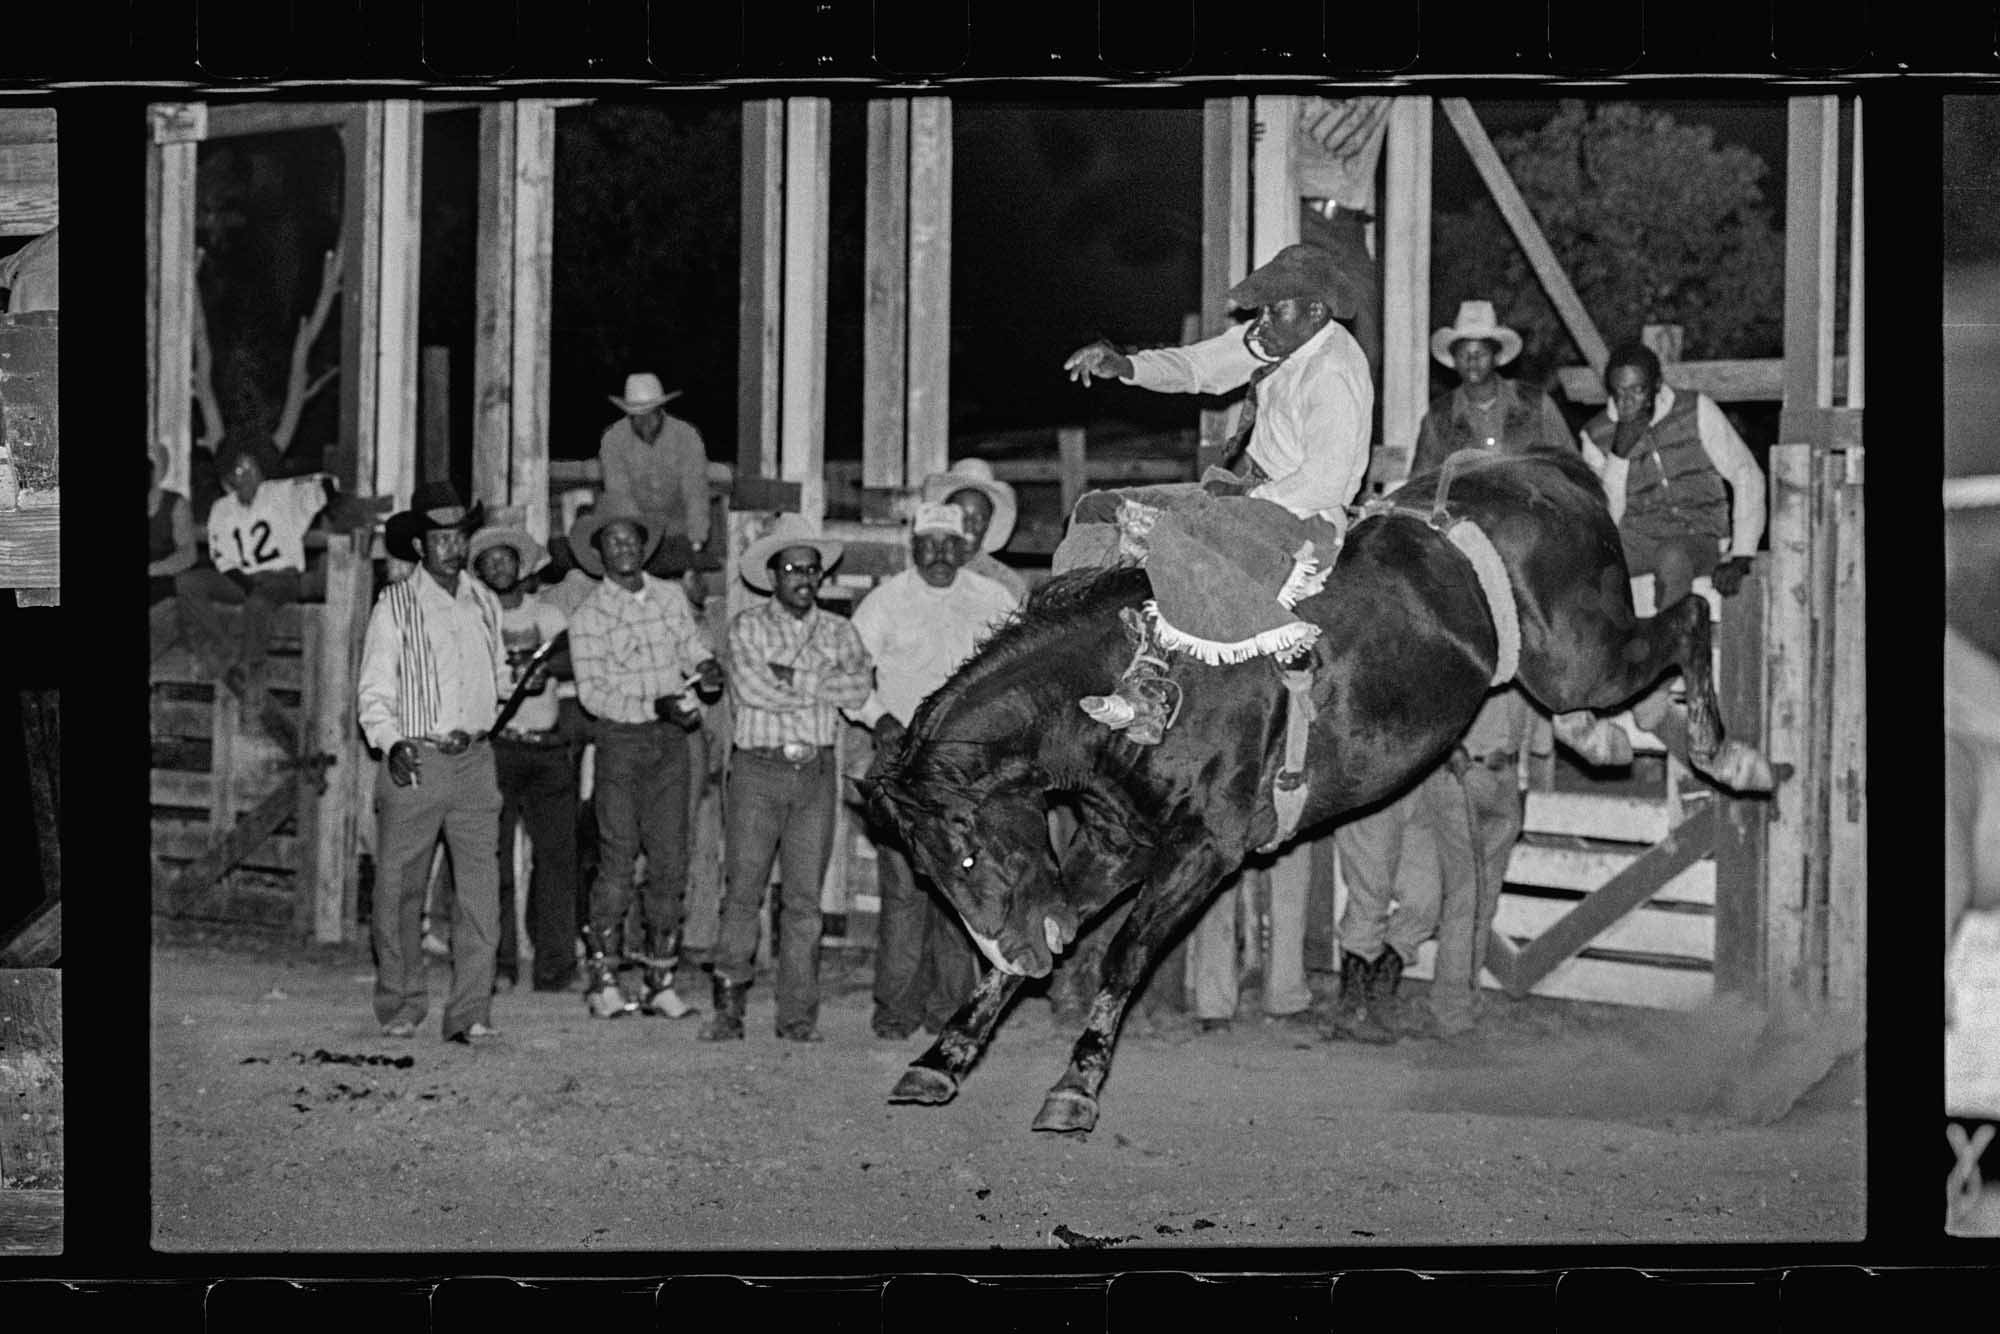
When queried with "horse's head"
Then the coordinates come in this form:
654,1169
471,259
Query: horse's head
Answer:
987,849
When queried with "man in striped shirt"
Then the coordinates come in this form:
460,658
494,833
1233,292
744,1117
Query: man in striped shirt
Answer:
640,658
792,668
433,667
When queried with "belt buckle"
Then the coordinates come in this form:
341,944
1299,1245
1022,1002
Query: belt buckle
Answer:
455,744
797,752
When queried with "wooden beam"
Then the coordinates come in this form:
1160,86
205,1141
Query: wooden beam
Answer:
493,305
1274,185
401,224
885,294
1788,658
1857,287
1847,820
21,126
34,942
171,193
1406,271
352,458
27,188
1756,380
929,410
533,263
760,316
802,421
1810,193
1527,232
1225,241
1690,841
200,875
1741,857
227,120
330,822
1071,444
30,548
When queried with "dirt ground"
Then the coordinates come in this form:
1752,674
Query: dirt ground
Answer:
283,1121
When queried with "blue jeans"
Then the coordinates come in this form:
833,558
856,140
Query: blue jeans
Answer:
641,793
777,810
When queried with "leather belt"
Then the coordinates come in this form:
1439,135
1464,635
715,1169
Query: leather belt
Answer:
457,743
546,738
792,752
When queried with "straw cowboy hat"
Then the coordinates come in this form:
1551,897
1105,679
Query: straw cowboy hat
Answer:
643,393
433,506
977,475
789,531
1476,320
1299,272
506,531
583,536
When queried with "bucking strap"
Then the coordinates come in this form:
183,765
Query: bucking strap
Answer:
1289,788
1470,539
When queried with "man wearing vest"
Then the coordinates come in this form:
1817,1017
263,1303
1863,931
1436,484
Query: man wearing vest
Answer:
1681,483
433,669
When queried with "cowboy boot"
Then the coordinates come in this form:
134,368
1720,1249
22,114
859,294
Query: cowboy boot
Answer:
663,951
601,995
726,1024
1352,1018
1385,979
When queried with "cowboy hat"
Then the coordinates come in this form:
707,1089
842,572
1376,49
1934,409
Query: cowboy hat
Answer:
790,530
1476,320
1301,272
433,506
529,553
643,393
977,475
583,537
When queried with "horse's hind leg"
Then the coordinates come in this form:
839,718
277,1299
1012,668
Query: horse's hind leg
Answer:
1161,909
934,1077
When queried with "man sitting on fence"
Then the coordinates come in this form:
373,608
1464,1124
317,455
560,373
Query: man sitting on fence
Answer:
433,670
256,538
655,463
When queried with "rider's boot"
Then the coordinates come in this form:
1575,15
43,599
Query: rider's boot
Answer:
601,995
1351,1019
662,958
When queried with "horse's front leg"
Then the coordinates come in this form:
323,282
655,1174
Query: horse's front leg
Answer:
1160,911
934,1077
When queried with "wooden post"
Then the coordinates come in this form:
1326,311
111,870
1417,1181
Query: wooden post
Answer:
400,221
1788,649
929,411
1406,269
533,257
434,402
1527,232
885,305
1847,819
1857,289
171,285
1274,185
762,302
329,823
802,420
1225,241
1071,442
1741,836
493,306
1810,211
352,457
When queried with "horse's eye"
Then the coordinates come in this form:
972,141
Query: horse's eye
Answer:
965,865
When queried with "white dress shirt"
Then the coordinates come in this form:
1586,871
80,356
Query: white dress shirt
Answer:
468,661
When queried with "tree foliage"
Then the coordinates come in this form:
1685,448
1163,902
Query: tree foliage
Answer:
1653,222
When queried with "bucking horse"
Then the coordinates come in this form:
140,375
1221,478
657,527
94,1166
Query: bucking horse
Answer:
1409,644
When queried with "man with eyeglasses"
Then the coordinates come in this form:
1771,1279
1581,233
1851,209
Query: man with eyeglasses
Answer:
792,667
919,625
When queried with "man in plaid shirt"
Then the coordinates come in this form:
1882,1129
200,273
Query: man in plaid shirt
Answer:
640,658
793,667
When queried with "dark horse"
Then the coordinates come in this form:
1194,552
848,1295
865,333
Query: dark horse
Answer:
1407,652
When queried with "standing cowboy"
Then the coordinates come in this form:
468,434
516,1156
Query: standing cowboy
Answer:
433,667
640,657
1487,411
919,625
657,464
792,668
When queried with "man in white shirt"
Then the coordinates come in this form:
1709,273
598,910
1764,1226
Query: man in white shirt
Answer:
920,625
433,669
256,539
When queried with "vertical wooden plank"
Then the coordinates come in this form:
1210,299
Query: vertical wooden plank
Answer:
802,418
929,419
1857,287
395,471
153,163
306,819
173,328
1274,185
1741,838
327,724
434,407
884,306
1826,471
1788,667
1071,443
762,300
1828,258
1847,842
1406,270
1806,385
534,248
493,305
352,459
1225,241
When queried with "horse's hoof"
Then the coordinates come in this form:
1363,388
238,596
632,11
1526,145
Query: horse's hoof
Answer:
1067,1112
1738,767
922,1085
